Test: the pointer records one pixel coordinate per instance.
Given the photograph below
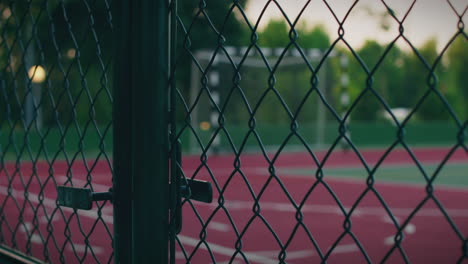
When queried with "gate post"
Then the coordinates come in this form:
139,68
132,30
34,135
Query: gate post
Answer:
122,134
141,180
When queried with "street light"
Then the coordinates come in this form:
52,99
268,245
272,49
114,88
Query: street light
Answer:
37,75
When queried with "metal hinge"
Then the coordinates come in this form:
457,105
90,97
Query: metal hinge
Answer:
192,189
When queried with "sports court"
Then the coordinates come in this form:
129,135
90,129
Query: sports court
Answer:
233,221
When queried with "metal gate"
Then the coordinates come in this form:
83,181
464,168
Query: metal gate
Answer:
317,149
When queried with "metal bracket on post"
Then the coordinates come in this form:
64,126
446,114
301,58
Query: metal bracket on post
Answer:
197,190
80,198
194,190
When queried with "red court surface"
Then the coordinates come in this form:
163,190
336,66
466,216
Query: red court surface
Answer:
428,237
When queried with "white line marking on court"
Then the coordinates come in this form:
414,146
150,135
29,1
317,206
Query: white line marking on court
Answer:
229,262
52,204
218,226
180,255
264,256
341,179
36,239
268,253
409,229
387,219
25,227
345,248
97,186
361,210
290,255
43,219
283,175
225,250
389,240
80,248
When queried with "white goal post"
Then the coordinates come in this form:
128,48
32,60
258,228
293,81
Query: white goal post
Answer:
236,55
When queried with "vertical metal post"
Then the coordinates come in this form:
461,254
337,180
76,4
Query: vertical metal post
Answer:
321,110
213,78
194,88
141,181
175,147
149,73
122,132
344,97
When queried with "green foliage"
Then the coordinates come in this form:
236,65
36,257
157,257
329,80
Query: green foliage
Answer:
361,84
418,78
275,34
208,24
402,78
388,77
457,86
211,23
72,41
315,38
78,86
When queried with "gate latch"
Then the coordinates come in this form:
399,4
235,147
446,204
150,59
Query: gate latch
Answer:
192,189
197,190
80,198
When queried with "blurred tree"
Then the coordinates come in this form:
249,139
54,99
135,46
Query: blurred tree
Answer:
72,40
317,38
458,76
275,34
391,76
210,23
77,44
417,78
368,107
206,24
293,81
67,36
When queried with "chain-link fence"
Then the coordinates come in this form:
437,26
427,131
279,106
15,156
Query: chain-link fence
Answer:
327,131
55,127
320,146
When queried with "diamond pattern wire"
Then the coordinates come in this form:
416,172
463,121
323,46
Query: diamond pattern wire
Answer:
55,127
185,126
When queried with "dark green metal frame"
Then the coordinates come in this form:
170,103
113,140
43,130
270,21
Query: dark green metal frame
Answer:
122,180
141,182
11,256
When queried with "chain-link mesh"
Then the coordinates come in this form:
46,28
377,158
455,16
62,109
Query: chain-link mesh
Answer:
250,99
55,127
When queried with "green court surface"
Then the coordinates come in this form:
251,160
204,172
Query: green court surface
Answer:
451,174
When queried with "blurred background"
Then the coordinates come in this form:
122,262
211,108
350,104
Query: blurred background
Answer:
55,58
